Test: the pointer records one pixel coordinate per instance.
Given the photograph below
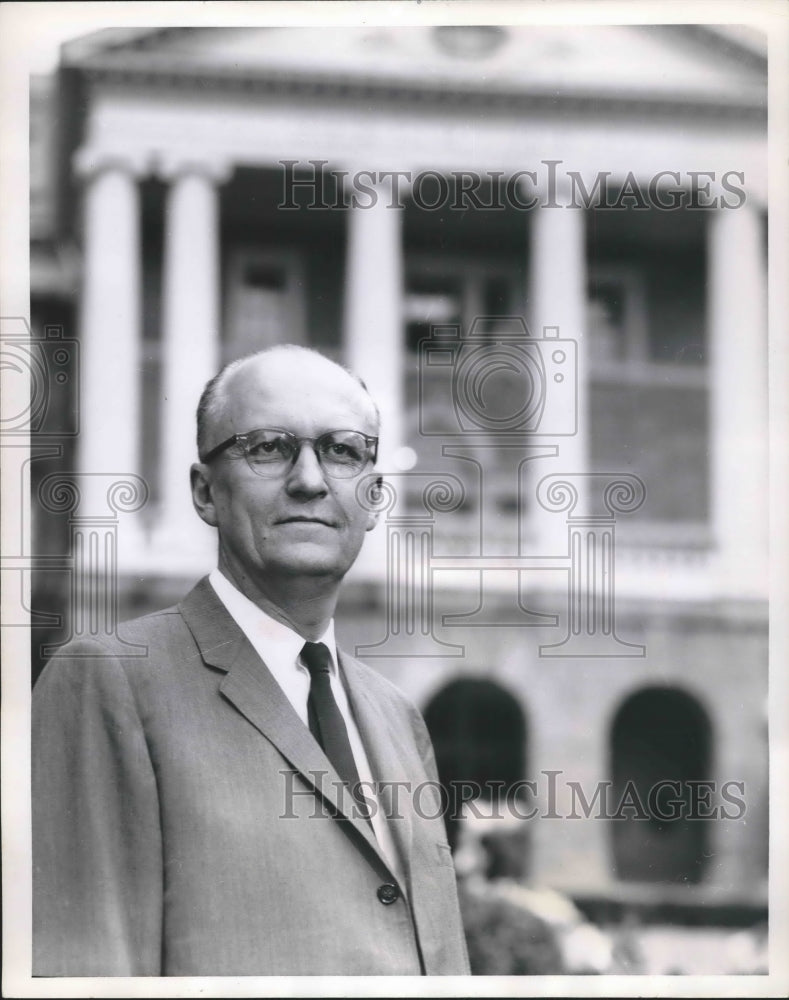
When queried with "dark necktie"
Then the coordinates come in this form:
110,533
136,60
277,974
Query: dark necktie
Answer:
326,722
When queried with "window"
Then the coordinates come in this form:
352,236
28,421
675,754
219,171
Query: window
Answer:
265,301
643,321
457,291
616,317
660,735
648,397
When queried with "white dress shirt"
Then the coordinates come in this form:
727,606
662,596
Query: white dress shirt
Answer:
279,647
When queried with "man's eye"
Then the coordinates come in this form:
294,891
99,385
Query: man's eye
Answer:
267,449
342,452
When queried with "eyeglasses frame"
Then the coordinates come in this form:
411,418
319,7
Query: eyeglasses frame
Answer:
241,439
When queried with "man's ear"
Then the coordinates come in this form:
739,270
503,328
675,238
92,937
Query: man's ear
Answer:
200,479
373,515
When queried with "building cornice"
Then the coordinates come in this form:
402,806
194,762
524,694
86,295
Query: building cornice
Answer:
159,73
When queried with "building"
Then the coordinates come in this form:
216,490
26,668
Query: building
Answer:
403,199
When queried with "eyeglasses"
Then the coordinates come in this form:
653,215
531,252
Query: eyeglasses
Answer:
271,452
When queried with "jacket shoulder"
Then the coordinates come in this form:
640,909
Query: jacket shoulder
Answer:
375,680
150,628
136,649
384,690
397,705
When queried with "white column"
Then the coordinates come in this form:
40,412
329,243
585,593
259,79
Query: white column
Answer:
374,339
557,283
109,437
737,338
374,344
191,328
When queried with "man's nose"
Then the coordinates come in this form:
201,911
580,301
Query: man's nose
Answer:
306,477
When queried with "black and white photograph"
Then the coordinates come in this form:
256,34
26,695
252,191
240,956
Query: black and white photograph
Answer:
394,445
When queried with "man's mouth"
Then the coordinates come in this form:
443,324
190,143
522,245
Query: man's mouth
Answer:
303,519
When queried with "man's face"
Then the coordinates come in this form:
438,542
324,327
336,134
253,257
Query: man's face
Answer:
302,523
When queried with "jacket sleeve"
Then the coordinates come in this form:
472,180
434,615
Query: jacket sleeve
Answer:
97,851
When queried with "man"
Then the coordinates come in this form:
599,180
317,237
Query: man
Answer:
217,806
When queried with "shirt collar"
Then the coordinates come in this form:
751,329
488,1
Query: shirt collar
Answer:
273,640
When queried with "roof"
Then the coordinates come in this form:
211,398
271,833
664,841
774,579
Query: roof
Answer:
686,64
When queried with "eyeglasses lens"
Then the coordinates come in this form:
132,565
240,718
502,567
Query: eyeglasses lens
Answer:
342,454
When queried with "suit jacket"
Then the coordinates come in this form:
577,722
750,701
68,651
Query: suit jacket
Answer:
185,821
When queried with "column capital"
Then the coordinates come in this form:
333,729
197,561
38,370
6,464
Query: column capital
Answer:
172,166
441,493
607,494
93,495
89,161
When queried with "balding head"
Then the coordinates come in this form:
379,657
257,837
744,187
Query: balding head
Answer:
288,364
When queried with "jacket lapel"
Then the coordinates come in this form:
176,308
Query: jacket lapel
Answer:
250,687
387,755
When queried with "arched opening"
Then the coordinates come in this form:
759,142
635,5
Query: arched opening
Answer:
660,746
479,735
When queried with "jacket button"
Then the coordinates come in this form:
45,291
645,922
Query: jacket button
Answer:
388,893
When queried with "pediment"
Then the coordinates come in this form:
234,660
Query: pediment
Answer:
650,62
